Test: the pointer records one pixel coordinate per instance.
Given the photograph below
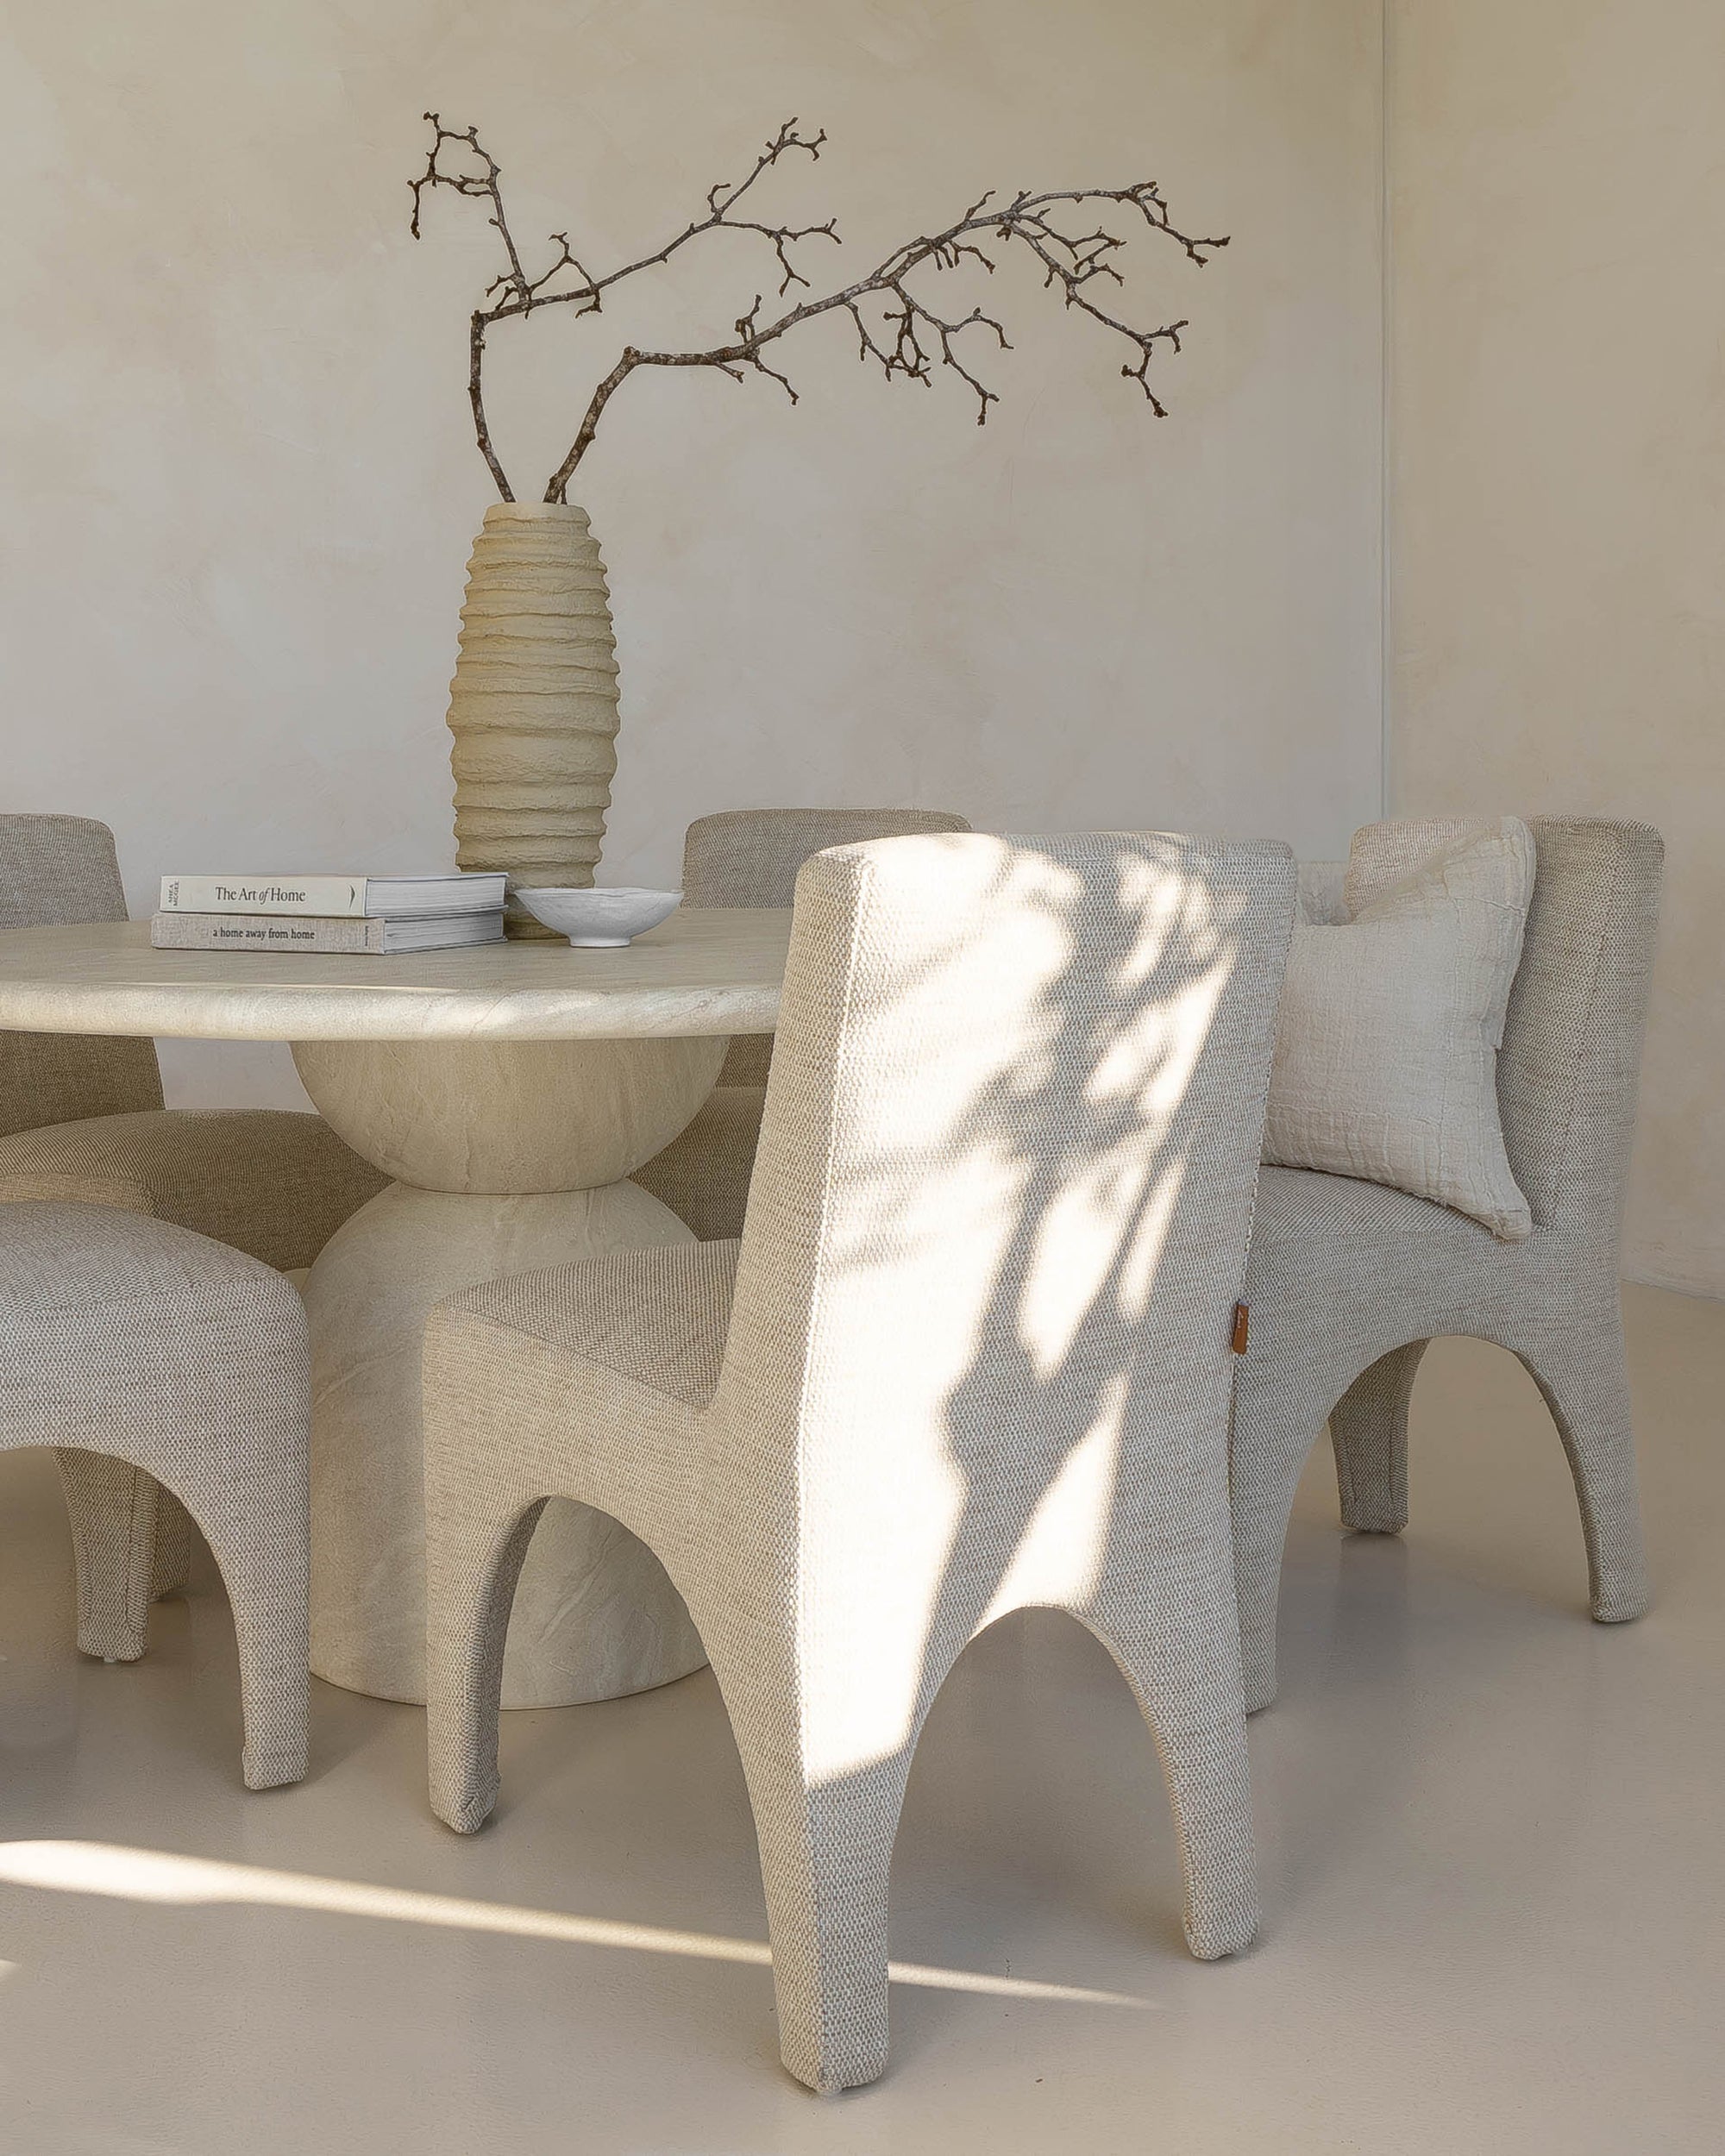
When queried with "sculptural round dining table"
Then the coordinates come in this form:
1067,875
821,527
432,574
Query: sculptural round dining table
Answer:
509,1090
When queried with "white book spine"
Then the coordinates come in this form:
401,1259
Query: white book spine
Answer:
263,931
325,896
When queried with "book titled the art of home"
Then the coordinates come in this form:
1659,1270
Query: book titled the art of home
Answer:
334,897
334,914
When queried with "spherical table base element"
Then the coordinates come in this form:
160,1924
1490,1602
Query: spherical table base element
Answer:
515,1117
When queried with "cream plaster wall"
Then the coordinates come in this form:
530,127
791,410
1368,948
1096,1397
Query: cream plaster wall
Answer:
1558,534
239,483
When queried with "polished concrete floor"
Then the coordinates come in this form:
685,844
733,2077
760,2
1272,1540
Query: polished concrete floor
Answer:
1491,1838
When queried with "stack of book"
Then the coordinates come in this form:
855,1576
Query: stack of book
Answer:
328,914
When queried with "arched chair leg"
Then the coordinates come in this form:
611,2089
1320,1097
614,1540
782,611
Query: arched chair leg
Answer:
258,1532
474,1560
173,1566
1264,1476
1585,1382
826,1853
113,1509
1369,1431
131,1544
1185,1675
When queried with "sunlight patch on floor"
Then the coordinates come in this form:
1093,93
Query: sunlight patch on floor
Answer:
151,1875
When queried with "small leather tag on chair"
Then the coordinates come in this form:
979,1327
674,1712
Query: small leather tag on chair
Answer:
1242,1327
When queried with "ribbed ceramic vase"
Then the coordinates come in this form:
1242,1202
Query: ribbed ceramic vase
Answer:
533,706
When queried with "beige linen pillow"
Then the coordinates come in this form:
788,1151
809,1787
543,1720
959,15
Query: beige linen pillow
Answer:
1386,1052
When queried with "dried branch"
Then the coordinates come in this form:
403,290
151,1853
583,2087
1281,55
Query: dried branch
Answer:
908,339
921,339
514,282
516,293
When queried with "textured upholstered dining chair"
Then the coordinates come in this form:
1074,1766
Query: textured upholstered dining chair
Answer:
82,1118
750,857
128,1338
972,1354
1351,1280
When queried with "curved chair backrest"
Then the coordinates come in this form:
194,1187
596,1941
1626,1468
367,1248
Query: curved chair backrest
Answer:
751,857
1321,899
1569,1066
56,869
1570,1072
1004,1189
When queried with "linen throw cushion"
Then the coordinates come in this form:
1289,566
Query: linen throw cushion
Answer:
1386,1054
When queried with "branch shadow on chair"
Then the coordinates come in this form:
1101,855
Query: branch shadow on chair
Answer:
972,1354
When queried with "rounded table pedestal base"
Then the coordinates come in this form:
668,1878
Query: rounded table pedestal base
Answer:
594,1614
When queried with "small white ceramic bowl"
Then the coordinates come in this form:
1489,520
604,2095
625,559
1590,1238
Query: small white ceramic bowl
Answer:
599,919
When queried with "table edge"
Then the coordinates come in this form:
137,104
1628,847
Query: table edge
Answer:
328,1014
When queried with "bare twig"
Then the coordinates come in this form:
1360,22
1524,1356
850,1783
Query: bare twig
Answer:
920,339
908,338
514,282
516,293
476,345
483,184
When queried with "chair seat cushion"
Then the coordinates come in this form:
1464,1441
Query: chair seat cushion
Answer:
657,1317
271,1183
129,1336
67,1264
1335,1259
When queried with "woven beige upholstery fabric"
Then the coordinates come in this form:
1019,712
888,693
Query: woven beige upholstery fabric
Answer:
704,1175
1349,1280
972,1354
751,857
1386,1050
130,1340
82,1118
269,1181
58,869
1320,899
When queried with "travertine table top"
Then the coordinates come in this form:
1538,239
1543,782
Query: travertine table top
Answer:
704,971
